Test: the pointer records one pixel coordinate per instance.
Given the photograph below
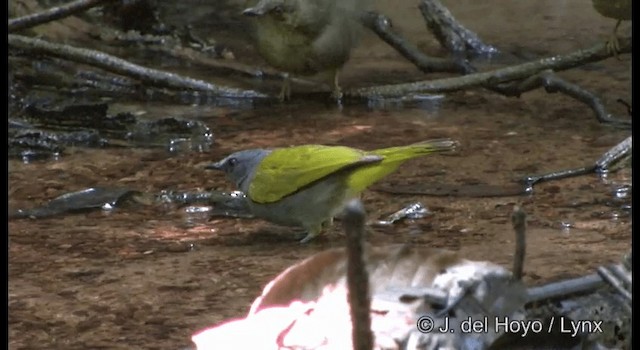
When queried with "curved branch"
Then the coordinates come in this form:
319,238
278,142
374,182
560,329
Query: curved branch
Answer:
52,14
492,78
450,33
381,25
119,66
552,84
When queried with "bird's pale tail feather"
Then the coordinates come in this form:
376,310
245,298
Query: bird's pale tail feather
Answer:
393,158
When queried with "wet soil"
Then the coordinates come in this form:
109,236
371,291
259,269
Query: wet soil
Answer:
150,277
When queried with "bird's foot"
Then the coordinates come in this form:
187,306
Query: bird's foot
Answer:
309,236
315,232
285,91
336,93
613,46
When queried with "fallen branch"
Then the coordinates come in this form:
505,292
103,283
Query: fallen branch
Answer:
610,158
565,288
552,83
381,25
519,222
52,14
459,40
492,78
224,67
119,66
616,276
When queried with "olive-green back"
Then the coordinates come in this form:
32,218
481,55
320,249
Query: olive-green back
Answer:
285,171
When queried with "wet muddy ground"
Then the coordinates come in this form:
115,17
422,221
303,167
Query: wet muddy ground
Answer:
149,277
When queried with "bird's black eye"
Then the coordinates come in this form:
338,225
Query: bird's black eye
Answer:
232,162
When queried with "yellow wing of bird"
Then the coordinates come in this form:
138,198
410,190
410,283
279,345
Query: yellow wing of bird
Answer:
287,170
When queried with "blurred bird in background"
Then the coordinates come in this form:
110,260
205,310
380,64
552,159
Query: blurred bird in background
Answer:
616,9
307,37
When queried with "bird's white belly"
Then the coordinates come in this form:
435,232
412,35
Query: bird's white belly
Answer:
307,208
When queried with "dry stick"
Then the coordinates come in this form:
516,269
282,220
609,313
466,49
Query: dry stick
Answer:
382,26
450,33
224,66
52,14
491,78
552,83
358,277
554,290
518,220
119,66
608,276
622,273
613,155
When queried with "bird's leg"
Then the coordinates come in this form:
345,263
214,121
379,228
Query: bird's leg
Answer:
285,91
311,234
613,45
336,92
315,231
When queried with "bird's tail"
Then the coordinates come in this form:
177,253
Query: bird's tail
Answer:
423,148
393,157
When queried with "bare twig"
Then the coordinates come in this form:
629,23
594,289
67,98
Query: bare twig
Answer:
552,83
557,175
626,104
358,277
225,66
52,14
608,275
119,66
616,153
583,284
492,78
624,275
450,33
518,220
381,25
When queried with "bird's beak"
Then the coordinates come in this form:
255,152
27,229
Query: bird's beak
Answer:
214,166
254,11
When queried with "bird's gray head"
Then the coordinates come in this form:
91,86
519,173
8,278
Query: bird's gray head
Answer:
241,166
281,10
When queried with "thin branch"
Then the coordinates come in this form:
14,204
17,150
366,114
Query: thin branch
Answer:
119,66
358,277
552,83
52,14
492,78
450,33
518,220
382,26
608,275
195,57
564,288
613,155
558,175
